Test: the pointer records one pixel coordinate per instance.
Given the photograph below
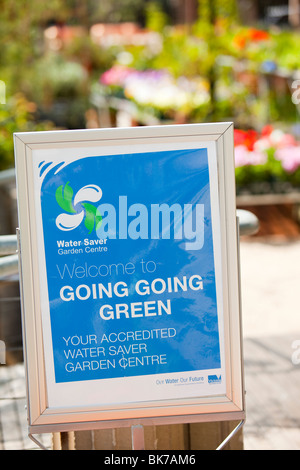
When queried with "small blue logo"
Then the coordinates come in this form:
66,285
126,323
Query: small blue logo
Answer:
214,379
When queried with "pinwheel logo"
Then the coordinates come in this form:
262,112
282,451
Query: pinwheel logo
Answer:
78,209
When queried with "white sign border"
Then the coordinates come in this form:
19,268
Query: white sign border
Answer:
43,417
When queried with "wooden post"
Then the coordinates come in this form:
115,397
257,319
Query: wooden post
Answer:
208,436
199,436
63,441
294,13
190,11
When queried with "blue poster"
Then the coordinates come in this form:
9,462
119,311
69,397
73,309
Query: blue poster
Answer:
130,265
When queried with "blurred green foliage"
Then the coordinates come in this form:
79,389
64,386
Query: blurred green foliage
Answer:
42,85
59,83
17,115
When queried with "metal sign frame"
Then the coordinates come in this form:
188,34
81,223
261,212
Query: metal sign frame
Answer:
42,416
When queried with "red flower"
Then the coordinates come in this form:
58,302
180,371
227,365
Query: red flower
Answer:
240,40
246,138
244,37
258,35
267,130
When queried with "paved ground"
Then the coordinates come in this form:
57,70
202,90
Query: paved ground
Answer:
13,416
270,274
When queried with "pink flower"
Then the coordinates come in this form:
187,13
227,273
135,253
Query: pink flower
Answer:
243,156
262,144
279,139
287,141
117,75
258,158
289,157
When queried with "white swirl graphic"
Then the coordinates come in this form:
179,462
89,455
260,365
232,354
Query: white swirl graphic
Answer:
71,219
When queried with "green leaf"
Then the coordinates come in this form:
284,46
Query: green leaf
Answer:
64,195
93,218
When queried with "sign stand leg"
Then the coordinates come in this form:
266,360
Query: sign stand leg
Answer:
227,439
38,443
137,437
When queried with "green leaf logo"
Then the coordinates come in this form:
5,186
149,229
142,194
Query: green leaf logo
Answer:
93,218
64,195
71,218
